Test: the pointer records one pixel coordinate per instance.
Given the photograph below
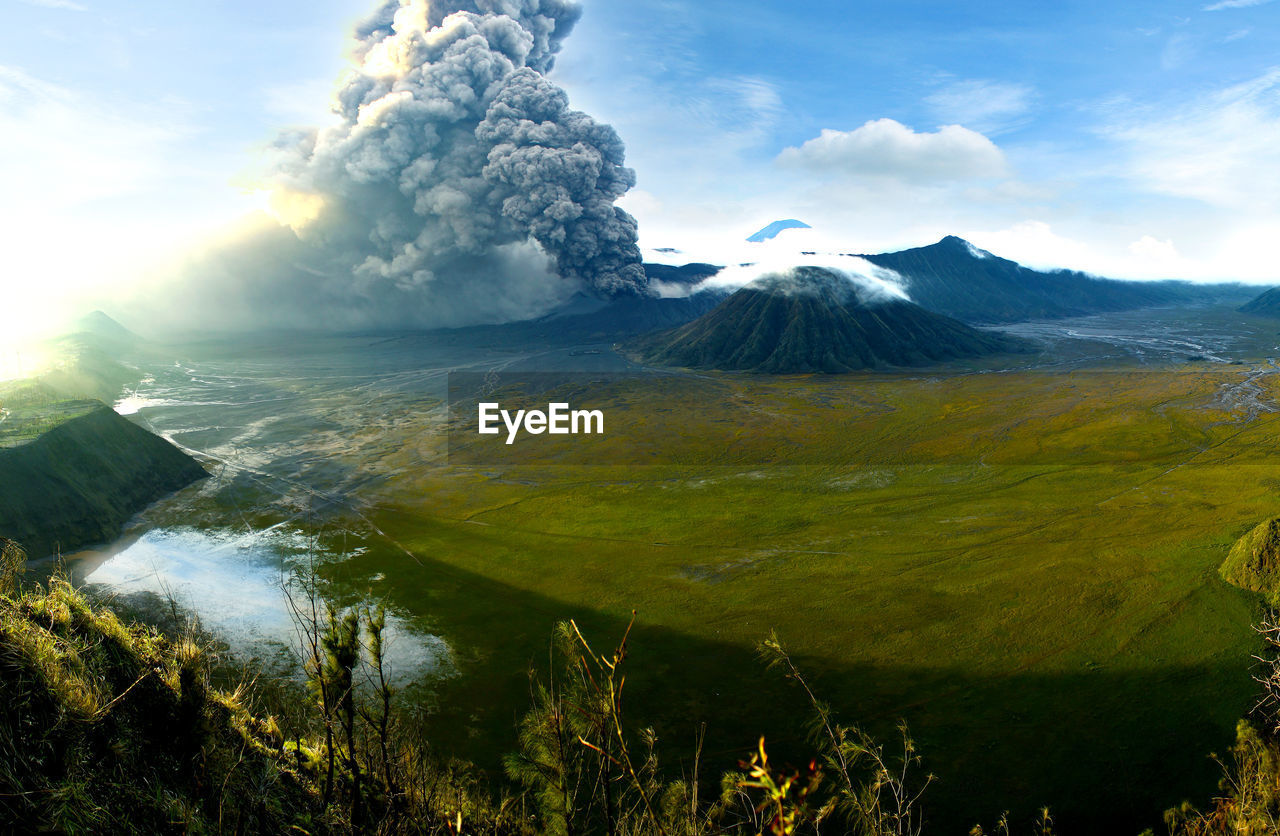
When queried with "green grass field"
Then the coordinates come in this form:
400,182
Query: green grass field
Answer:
29,409
1021,566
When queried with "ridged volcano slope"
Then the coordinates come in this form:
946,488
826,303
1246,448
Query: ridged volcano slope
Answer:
813,320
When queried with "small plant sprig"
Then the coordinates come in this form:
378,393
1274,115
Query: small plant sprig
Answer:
786,794
874,794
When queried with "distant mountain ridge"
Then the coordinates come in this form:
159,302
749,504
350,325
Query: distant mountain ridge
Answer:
952,278
955,278
814,320
685,274
1266,304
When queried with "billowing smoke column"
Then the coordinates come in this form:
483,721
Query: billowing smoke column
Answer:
458,185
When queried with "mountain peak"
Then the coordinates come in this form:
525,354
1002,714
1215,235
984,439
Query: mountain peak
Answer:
832,286
958,244
103,325
811,281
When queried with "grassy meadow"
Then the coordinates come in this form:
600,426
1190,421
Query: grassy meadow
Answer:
1024,567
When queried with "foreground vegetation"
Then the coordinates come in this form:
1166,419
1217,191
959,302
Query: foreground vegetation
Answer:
124,728
109,727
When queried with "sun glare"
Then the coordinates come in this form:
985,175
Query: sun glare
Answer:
22,360
290,208
259,200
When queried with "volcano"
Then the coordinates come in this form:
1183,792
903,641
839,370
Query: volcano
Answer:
811,319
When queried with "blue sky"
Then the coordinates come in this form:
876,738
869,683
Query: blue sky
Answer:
1135,138
1139,139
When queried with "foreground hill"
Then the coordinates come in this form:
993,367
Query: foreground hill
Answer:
814,320
108,728
954,278
78,480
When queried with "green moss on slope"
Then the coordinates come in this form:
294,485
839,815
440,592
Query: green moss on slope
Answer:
77,483
108,728
1254,561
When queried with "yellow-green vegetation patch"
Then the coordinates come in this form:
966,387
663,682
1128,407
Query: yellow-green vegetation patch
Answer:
29,409
111,728
1023,566
1254,561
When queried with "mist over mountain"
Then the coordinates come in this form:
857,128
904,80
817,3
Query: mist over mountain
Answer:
586,318
685,275
812,319
102,325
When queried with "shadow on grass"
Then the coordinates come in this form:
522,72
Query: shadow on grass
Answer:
1107,750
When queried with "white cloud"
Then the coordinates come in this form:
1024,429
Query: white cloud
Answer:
1222,149
1241,254
983,105
1035,244
1234,4
640,202
756,94
1158,258
1156,250
69,5
884,148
